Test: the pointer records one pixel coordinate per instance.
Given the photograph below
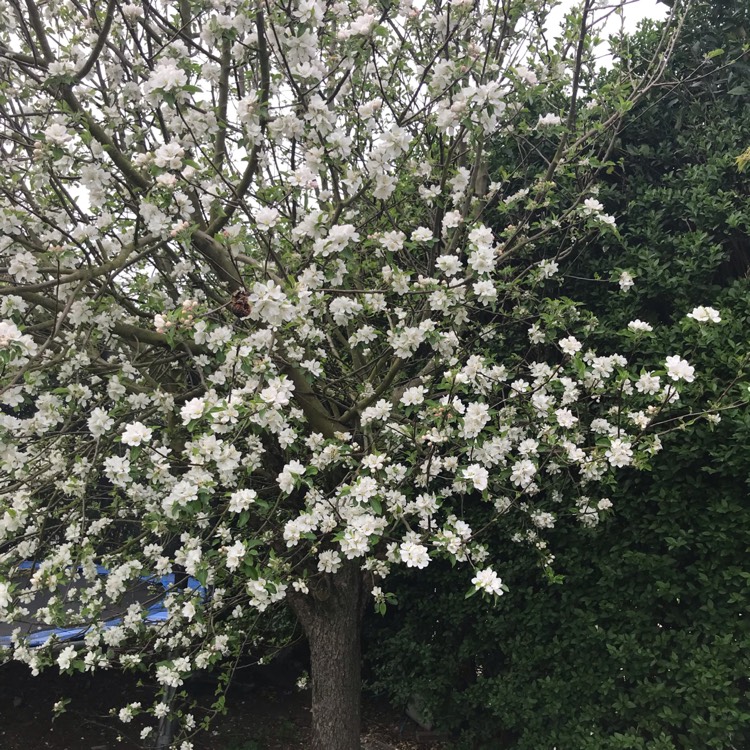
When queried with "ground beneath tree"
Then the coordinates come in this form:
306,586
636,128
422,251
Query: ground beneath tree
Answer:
265,712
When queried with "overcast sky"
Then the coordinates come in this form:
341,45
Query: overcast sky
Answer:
641,9
635,11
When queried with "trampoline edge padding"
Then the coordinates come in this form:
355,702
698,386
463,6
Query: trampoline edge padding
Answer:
153,614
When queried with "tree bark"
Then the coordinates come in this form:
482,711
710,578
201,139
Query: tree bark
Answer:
331,616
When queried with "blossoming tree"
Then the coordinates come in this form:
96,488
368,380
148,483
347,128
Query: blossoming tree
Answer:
256,283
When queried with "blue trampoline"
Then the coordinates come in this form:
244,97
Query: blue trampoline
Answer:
150,592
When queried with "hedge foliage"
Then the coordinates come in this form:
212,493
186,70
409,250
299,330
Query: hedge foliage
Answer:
645,644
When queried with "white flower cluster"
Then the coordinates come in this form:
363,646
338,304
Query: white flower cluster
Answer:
592,207
20,345
705,315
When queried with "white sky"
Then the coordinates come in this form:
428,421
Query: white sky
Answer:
641,9
634,11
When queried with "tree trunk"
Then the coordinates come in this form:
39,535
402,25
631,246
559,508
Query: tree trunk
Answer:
331,616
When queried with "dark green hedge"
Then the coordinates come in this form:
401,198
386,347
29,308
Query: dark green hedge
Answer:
645,645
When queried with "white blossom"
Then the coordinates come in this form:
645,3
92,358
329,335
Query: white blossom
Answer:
266,218
450,265
192,410
619,452
705,315
548,120
648,383
570,345
421,234
169,156
57,133
413,396
523,473
136,433
414,555
487,580
287,477
329,561
639,325
241,500
680,369
11,334
5,597
165,77
65,658
477,475
626,281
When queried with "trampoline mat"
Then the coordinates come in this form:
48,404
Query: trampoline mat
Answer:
147,594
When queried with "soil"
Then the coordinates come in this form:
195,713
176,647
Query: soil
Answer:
265,712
